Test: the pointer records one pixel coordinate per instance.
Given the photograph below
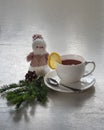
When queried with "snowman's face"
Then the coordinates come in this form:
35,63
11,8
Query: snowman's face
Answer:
39,46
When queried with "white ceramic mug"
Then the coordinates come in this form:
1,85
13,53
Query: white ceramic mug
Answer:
73,73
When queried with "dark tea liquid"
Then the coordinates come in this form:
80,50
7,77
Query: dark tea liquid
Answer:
71,62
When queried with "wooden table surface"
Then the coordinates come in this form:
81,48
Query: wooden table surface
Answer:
68,26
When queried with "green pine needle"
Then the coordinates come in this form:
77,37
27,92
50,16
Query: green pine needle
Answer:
25,91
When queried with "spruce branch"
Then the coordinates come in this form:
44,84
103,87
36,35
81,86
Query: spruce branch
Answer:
25,91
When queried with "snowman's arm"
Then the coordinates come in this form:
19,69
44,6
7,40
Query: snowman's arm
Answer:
30,56
46,56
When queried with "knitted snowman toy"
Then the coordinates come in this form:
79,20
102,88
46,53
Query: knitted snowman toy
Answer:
37,58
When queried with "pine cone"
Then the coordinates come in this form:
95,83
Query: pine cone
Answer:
30,76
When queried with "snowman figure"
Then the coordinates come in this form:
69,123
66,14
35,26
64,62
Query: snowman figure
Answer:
37,58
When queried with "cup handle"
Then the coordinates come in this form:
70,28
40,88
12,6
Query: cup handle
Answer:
89,62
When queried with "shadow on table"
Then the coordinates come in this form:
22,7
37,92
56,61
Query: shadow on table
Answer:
25,112
71,99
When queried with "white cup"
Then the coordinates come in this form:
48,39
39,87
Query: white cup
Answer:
73,73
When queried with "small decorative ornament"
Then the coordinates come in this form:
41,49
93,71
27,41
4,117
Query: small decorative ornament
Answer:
32,88
38,58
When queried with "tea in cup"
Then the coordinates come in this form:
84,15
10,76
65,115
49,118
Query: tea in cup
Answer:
73,68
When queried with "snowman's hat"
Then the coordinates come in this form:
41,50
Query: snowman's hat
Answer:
37,36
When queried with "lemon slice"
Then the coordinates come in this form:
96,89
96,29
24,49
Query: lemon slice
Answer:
53,58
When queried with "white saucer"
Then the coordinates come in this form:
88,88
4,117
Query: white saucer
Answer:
83,84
